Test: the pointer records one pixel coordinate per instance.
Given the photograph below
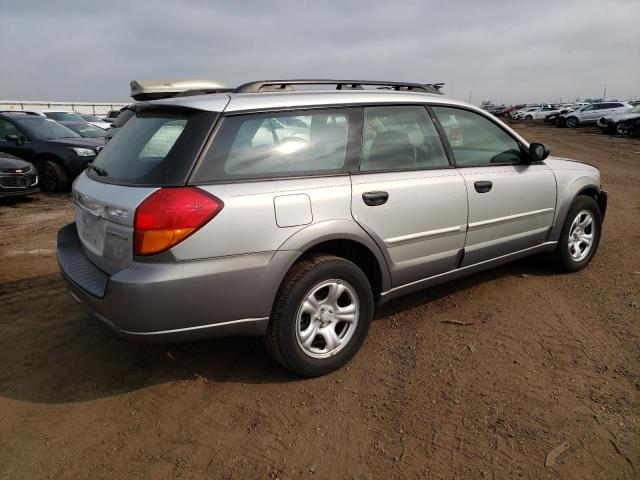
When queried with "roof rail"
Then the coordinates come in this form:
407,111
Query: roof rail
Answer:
287,85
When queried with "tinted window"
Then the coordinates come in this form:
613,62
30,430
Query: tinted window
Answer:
400,137
278,144
44,128
476,140
7,128
154,148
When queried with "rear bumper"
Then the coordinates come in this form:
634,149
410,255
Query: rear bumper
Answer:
175,301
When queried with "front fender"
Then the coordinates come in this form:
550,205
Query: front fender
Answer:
565,199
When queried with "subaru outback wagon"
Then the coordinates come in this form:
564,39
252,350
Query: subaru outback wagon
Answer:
291,214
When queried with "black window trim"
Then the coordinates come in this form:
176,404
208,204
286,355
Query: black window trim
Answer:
523,148
352,156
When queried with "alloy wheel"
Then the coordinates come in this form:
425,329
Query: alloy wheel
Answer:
581,235
327,318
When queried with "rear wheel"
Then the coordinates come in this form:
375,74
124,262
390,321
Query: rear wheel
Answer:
529,117
53,178
571,122
321,315
580,235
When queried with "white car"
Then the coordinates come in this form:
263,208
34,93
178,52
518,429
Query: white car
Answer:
95,121
592,113
516,114
540,113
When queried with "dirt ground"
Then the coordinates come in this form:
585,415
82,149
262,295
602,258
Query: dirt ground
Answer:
542,359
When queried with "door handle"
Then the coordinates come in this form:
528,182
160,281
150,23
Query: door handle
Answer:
483,186
373,199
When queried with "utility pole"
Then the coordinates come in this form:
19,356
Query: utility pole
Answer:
469,96
604,95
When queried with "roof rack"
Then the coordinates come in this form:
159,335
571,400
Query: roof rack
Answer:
287,85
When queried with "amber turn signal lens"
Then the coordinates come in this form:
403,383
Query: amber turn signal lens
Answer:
169,215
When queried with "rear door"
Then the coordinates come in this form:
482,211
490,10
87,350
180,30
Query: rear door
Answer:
406,194
511,202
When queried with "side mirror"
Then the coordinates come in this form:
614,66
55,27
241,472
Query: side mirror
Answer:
538,152
14,138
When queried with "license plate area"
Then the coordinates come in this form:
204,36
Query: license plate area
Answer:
91,231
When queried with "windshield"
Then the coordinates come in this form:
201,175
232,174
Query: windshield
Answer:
154,148
86,129
64,116
45,128
635,109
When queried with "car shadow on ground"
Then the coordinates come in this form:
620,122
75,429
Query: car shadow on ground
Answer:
51,352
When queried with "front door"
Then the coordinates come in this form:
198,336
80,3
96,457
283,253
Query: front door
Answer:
407,196
511,202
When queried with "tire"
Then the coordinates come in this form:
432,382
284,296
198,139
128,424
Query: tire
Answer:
571,122
53,178
565,257
622,128
308,281
528,117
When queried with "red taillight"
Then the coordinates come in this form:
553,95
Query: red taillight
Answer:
169,215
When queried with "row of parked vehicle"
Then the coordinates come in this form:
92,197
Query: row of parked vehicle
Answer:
622,118
47,149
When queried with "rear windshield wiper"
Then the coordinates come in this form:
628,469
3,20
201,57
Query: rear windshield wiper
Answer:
100,171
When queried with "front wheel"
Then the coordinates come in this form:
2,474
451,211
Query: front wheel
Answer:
571,122
321,316
53,178
529,117
622,128
580,235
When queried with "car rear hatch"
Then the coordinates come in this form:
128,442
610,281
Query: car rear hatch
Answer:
157,148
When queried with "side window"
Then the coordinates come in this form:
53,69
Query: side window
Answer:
7,128
278,144
588,108
477,141
400,137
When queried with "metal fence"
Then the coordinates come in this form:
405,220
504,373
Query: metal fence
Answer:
99,109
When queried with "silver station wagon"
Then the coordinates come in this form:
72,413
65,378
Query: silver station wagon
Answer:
291,209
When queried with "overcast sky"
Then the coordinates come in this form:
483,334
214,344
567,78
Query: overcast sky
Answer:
507,51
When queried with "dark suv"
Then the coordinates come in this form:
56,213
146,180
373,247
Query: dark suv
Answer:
58,152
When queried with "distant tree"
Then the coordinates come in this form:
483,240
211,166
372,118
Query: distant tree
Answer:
594,100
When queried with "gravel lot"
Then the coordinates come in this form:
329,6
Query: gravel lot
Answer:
541,359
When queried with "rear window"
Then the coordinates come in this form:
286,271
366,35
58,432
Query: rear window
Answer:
154,148
278,145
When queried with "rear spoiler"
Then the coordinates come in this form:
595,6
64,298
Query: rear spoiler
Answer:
156,89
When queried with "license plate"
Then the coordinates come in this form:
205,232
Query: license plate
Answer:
91,231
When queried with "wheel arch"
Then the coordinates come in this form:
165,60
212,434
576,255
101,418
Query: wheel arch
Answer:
345,239
581,186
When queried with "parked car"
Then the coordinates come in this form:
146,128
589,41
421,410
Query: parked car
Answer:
619,122
539,113
95,121
552,117
519,114
17,177
58,152
86,130
590,114
111,115
306,209
507,110
118,122
62,116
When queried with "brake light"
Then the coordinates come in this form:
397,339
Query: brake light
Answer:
169,215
